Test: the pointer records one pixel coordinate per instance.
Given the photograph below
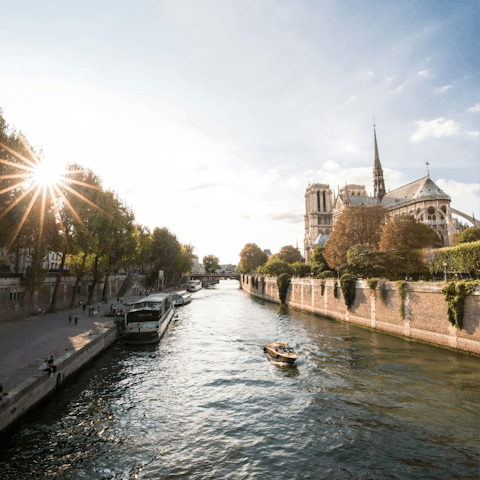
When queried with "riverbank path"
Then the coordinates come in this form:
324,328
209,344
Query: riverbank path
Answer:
25,343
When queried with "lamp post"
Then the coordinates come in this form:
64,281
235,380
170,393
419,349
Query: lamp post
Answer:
445,271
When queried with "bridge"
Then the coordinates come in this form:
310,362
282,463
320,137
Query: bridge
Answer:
211,278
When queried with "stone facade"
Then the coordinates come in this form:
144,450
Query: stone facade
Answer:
425,309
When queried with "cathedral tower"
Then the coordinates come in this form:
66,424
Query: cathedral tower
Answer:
378,182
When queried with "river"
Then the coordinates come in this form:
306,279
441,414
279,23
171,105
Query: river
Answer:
206,403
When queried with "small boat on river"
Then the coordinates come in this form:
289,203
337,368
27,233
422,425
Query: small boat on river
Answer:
181,298
148,319
194,285
281,352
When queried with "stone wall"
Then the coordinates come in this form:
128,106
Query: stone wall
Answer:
16,303
425,309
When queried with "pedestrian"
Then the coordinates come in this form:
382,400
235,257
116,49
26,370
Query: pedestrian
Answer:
52,366
83,307
121,299
118,299
70,318
76,318
80,303
99,308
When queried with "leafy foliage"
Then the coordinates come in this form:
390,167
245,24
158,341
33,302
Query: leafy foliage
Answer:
283,282
317,261
300,269
335,289
289,254
326,274
455,295
252,257
322,286
372,283
403,232
361,259
354,226
211,263
395,265
402,294
471,234
461,258
348,283
275,267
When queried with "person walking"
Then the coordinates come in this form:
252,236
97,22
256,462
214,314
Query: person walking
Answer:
52,366
83,307
76,318
70,318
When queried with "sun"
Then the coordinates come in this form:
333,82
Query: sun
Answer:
45,174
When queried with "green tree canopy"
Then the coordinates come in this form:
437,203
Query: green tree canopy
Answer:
211,263
252,257
362,259
317,260
300,269
289,254
275,267
471,234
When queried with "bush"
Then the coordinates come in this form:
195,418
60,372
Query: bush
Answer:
462,258
326,274
335,289
348,283
402,294
283,282
300,269
455,295
372,283
322,284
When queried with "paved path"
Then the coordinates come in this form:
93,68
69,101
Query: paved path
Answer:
25,343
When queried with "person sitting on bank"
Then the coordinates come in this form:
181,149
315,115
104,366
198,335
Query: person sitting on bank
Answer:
2,391
44,367
52,366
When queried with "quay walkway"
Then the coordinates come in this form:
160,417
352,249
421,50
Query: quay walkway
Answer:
25,343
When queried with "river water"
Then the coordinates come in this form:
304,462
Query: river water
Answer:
206,403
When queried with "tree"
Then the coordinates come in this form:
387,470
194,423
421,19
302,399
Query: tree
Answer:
275,267
300,269
354,226
289,254
471,234
252,257
362,259
403,232
211,263
317,260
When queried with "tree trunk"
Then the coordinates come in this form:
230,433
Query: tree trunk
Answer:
53,304
95,281
104,293
77,281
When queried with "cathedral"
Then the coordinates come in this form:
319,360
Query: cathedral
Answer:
422,199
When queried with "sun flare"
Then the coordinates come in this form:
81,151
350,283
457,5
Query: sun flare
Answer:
45,174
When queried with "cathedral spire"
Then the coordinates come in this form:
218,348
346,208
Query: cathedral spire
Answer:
378,182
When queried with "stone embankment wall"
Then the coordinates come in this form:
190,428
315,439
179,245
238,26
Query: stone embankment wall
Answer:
16,303
425,309
33,390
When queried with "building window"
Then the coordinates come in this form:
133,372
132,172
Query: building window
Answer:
431,214
318,201
324,203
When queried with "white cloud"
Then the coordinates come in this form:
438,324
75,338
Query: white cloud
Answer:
474,134
443,89
352,99
474,109
464,195
424,73
435,128
330,165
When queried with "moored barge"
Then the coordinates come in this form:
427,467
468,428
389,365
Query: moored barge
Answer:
148,319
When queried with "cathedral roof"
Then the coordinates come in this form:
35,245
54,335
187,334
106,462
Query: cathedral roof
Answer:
358,200
424,187
321,240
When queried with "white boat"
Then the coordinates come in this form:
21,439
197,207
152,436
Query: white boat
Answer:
149,318
194,285
181,298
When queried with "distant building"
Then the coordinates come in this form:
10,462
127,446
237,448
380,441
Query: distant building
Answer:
422,199
197,266
227,268
267,252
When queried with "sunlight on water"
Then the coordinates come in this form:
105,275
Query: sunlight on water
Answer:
208,403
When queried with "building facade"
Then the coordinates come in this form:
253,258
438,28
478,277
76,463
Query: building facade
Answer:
422,199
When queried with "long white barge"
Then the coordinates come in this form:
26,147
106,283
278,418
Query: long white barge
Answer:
148,319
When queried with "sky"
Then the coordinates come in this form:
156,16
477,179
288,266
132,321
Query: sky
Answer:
212,117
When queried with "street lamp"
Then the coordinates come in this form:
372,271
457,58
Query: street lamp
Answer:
445,271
